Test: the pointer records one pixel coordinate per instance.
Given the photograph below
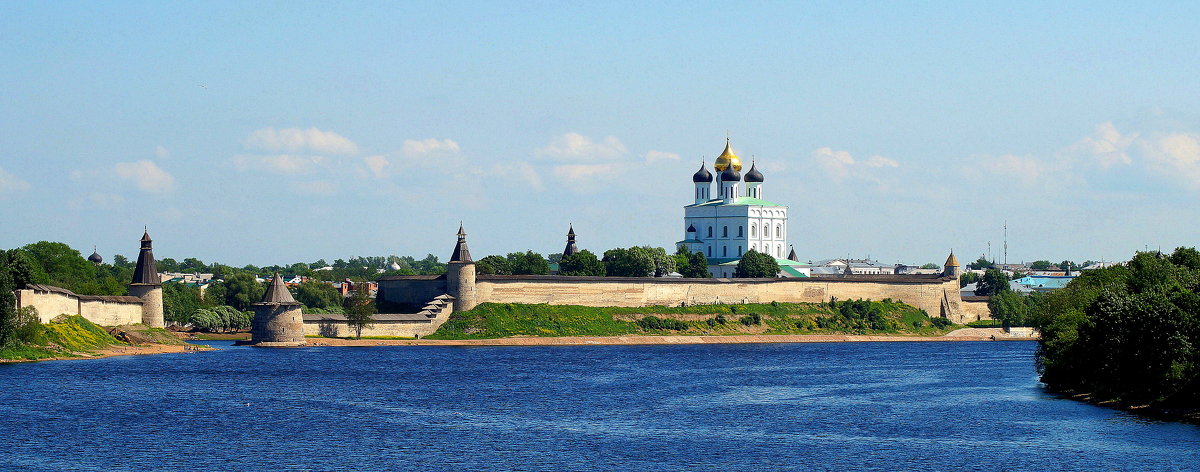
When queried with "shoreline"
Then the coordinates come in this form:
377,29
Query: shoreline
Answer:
114,351
634,340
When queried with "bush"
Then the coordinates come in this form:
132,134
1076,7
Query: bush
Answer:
654,322
751,319
939,322
220,319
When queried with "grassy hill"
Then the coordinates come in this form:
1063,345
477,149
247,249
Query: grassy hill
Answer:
74,336
495,320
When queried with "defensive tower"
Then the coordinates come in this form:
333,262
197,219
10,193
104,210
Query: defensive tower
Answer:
460,274
952,268
278,321
147,285
571,247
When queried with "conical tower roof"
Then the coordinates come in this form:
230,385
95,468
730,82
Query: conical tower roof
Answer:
792,255
571,248
146,272
461,252
278,293
952,261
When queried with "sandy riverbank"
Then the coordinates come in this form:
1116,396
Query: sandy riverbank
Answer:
966,334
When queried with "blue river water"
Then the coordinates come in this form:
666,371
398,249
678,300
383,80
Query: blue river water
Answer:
823,406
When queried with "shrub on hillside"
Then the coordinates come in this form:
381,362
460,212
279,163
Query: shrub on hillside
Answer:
654,322
751,319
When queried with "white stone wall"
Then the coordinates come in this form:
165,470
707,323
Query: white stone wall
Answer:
105,313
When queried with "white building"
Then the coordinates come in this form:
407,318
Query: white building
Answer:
729,219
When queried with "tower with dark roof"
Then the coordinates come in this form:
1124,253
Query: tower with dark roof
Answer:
460,274
147,285
278,321
571,248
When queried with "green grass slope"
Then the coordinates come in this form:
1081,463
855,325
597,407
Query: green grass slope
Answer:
69,336
496,320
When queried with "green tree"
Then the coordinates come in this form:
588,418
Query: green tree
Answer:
755,264
497,265
555,258
359,310
180,301
220,319
167,265
122,261
692,265
980,264
317,295
967,278
528,263
1009,307
61,265
240,290
582,263
620,262
1039,265
1067,264
930,265
993,282
663,263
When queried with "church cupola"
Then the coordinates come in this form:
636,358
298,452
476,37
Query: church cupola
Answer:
703,181
754,180
95,258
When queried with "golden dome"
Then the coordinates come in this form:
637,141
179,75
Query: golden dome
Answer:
726,158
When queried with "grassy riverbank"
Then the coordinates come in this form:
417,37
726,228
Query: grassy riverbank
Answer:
76,337
493,320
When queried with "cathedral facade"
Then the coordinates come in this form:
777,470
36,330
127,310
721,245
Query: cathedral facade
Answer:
729,217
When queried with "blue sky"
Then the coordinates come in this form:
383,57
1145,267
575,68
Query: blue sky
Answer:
273,132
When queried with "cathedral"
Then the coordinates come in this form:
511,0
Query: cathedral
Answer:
731,217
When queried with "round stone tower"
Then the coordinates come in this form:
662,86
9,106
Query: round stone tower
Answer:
460,275
147,285
278,321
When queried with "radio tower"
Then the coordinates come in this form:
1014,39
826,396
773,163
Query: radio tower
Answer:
1006,243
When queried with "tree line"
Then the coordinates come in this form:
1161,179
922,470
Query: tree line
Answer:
637,261
1126,333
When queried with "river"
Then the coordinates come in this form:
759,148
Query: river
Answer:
925,406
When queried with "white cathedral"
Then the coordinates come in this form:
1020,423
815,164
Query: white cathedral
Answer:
737,219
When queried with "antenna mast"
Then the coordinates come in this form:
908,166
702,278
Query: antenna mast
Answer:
1006,243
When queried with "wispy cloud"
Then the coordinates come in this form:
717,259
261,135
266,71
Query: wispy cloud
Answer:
161,152
284,164
11,184
652,156
575,146
147,175
296,140
841,165
377,165
315,187
421,147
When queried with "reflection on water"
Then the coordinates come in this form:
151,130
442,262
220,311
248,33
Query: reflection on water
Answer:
835,406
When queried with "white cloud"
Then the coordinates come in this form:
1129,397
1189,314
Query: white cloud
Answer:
578,172
522,172
286,164
315,187
296,140
576,146
837,163
880,161
1106,146
377,165
1027,169
652,156
414,148
161,152
147,175
1176,155
10,184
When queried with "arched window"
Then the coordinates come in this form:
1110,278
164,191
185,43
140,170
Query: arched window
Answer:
724,251
766,231
739,231
752,227
710,231
739,251
724,231
710,250
778,231
779,250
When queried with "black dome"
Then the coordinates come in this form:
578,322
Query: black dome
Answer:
730,175
754,175
691,228
702,175
95,258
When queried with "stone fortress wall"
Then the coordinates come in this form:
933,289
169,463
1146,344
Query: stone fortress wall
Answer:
52,301
939,296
